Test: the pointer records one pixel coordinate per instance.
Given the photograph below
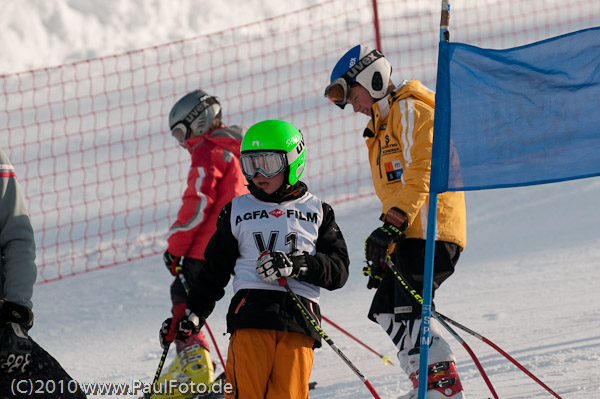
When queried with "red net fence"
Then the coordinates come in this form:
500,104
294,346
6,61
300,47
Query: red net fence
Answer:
102,175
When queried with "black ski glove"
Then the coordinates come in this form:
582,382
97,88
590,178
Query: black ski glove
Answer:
271,266
375,275
11,312
182,325
377,244
15,345
171,262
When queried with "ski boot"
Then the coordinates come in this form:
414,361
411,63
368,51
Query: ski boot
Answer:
442,383
192,366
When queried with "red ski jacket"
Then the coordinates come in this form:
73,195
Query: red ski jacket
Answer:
214,179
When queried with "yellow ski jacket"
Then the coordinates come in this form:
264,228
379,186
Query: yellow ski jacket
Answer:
399,138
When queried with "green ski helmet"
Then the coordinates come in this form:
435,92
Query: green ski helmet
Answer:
281,137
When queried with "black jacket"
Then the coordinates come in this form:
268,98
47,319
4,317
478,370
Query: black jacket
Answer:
268,309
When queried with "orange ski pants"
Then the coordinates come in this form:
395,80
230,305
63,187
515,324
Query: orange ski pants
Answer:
269,364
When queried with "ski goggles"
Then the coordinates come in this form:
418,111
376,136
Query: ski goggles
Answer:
181,132
267,164
338,92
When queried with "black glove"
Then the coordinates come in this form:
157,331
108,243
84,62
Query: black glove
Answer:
15,348
15,345
374,273
182,325
376,245
11,312
273,265
171,262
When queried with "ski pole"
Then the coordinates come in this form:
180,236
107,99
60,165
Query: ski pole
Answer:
186,287
161,363
499,350
386,359
315,324
163,357
470,352
419,299
177,314
216,347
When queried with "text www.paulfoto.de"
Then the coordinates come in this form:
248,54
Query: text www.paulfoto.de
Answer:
135,387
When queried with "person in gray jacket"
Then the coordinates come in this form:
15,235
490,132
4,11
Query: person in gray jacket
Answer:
21,358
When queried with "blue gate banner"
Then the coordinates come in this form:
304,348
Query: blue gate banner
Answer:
520,116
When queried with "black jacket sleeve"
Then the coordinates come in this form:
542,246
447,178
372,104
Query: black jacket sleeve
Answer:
208,286
328,267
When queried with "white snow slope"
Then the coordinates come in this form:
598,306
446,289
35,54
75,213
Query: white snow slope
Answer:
526,281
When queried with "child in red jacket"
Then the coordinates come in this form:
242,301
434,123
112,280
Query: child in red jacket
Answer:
214,179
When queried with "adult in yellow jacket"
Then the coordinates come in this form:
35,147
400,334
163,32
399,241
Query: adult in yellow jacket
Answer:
399,138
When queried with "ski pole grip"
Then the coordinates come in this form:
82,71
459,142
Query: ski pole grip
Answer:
178,314
282,281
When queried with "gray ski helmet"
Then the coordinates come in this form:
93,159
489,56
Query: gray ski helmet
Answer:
193,115
365,66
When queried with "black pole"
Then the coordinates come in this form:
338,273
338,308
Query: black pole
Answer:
315,324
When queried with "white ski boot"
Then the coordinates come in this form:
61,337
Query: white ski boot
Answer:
442,379
442,383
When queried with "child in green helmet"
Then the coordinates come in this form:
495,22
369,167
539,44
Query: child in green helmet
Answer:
279,229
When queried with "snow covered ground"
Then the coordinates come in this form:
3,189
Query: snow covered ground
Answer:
527,280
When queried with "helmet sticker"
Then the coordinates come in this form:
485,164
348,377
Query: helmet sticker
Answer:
363,63
297,151
193,114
